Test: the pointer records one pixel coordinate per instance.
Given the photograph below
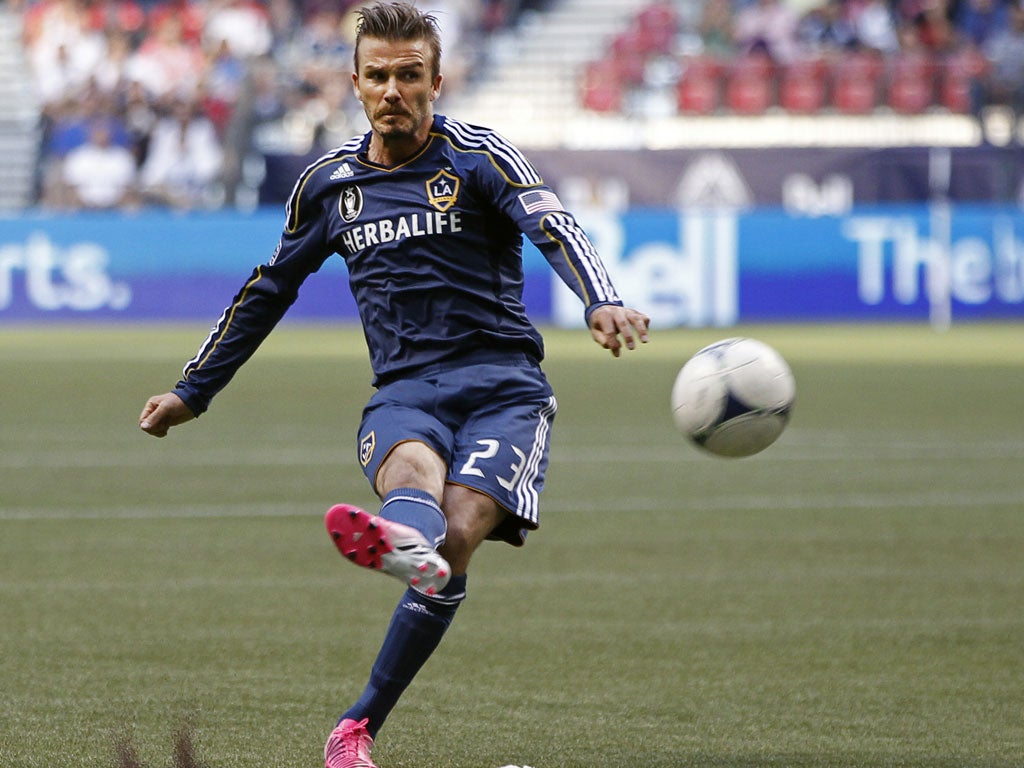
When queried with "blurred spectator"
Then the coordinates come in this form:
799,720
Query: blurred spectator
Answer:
934,25
191,15
62,49
769,26
826,30
977,20
875,26
139,119
242,24
184,158
222,85
716,29
111,75
1004,83
122,16
98,175
168,65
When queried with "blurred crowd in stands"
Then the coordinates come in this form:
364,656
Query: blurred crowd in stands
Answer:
171,102
812,57
174,102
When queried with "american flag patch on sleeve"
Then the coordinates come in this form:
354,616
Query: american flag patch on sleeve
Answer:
540,201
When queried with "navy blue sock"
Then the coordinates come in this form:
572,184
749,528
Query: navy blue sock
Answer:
417,509
416,628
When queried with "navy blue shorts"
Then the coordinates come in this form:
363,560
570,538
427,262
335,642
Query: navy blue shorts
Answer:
490,424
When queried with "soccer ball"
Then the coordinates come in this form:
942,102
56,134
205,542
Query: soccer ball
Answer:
733,398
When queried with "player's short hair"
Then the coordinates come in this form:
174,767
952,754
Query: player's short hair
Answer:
399,21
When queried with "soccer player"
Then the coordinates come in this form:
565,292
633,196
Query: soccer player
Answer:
429,215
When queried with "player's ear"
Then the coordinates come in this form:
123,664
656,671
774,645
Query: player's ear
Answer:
435,89
355,86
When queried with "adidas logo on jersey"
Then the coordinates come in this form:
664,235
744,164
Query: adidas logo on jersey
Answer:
343,171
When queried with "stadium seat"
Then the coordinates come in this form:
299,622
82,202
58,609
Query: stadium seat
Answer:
749,87
629,54
600,87
959,72
699,89
911,84
802,86
657,25
856,80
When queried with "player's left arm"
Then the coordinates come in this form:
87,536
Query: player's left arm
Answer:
540,215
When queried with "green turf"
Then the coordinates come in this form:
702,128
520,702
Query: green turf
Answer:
853,597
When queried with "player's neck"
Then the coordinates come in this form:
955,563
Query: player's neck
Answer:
394,151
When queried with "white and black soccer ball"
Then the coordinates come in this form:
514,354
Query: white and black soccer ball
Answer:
733,398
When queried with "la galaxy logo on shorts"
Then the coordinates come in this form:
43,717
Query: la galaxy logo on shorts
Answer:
350,203
366,446
443,190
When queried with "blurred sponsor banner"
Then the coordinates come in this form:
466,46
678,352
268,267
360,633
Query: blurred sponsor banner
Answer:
717,267
146,266
693,266
809,181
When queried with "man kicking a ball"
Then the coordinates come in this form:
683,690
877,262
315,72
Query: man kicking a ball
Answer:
429,215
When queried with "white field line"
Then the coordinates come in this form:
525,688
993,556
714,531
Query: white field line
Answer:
696,503
88,457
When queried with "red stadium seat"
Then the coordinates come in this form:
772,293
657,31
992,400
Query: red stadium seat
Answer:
629,52
856,80
657,25
959,73
601,89
699,89
802,86
750,86
911,84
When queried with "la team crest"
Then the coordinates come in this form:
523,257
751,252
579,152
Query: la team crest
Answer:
443,190
366,446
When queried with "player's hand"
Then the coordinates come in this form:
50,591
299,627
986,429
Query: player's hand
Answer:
163,412
609,322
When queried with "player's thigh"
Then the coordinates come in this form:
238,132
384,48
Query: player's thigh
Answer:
502,450
399,438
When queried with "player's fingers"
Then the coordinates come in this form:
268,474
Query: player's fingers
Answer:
631,325
605,333
153,422
148,408
642,323
146,418
158,416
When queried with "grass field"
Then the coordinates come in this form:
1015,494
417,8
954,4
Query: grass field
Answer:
853,597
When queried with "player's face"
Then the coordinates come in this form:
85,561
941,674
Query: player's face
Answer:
394,83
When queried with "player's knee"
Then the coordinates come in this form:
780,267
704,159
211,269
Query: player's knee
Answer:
412,465
471,517
458,547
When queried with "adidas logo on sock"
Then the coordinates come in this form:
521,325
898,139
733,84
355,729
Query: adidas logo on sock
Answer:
417,608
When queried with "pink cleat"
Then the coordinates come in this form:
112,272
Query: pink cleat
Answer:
349,746
391,547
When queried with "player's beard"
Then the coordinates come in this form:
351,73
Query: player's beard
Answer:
404,124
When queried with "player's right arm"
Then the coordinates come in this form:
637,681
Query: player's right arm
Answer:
252,315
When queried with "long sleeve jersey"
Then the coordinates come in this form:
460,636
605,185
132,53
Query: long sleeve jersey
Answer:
433,248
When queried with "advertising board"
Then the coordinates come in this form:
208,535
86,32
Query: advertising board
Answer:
685,267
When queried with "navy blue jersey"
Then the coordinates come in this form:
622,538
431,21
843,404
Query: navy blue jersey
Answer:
433,248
